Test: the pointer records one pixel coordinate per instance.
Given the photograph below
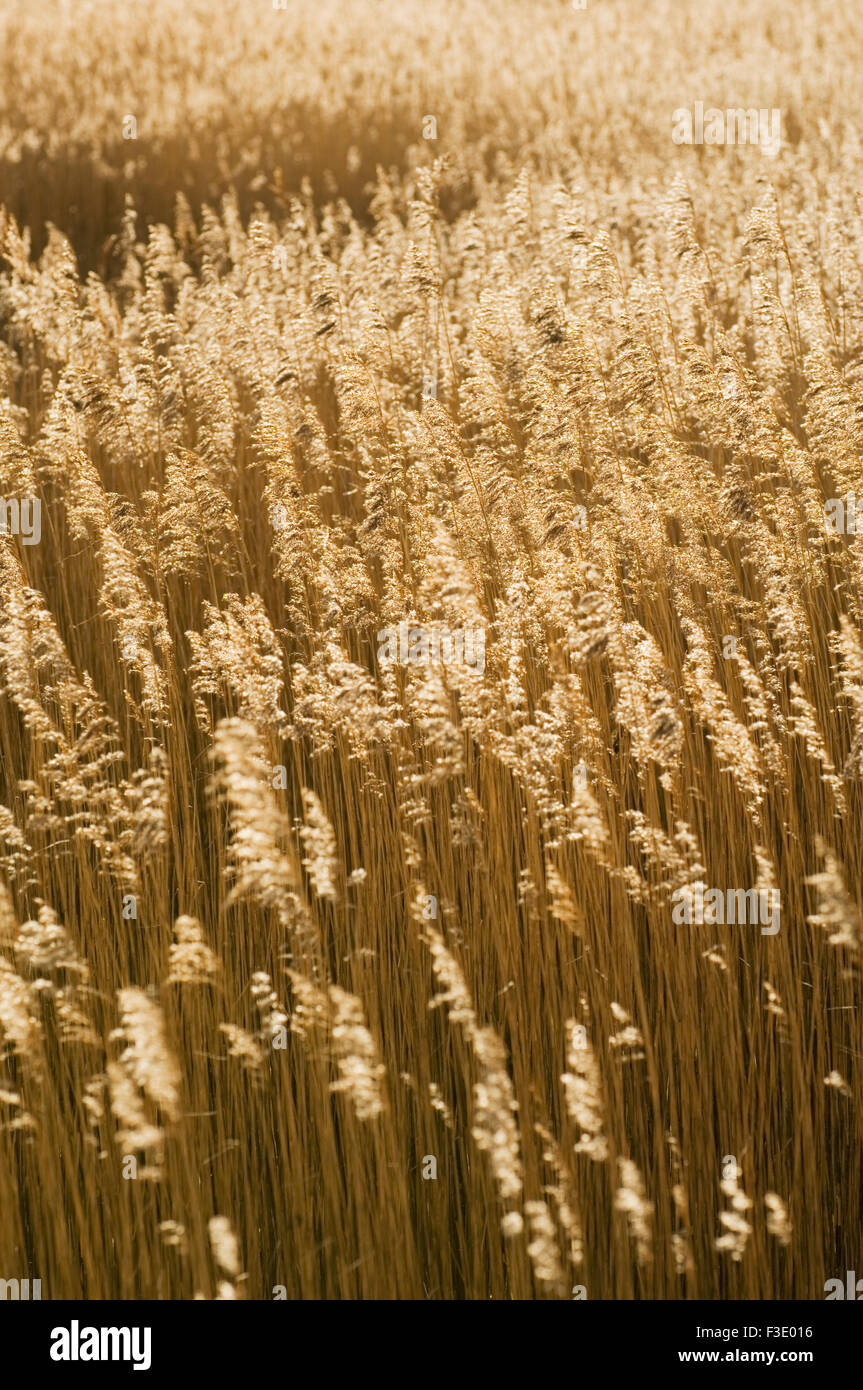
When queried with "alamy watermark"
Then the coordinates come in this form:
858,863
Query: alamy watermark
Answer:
18,1289
729,907
734,126
21,516
76,1343
842,516
852,1287
410,645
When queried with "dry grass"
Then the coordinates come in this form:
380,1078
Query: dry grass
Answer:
279,921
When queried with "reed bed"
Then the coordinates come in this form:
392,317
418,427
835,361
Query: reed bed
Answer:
331,970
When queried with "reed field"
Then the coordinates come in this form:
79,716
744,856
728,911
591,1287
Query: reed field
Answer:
431,650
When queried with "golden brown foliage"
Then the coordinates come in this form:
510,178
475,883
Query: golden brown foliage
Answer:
283,917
